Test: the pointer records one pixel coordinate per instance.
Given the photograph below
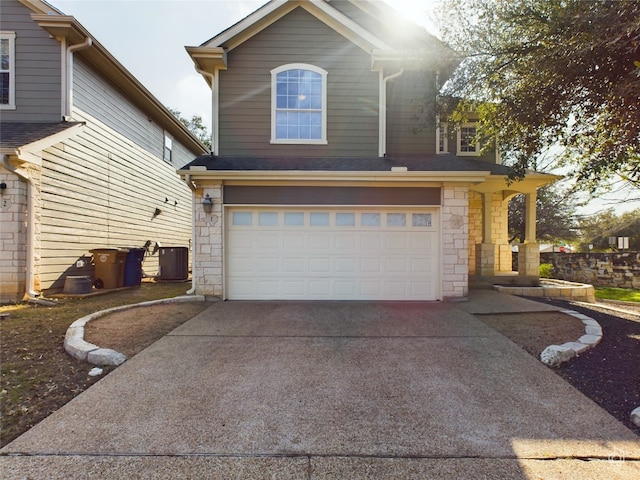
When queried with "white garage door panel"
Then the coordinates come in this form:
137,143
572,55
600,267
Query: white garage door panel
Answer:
325,255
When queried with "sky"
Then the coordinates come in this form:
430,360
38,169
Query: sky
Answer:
148,37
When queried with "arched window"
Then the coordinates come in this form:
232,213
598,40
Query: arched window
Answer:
299,104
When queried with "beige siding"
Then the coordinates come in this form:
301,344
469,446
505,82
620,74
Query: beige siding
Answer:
38,74
352,115
101,190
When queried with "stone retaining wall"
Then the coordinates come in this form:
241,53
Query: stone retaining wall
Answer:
620,270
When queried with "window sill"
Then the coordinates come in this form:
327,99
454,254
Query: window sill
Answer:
299,142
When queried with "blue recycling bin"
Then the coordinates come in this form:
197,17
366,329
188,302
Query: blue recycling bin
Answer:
133,267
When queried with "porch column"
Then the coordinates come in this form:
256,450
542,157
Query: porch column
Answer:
529,251
486,251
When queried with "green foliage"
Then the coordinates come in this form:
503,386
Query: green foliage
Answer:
196,126
546,270
556,73
596,229
621,294
555,215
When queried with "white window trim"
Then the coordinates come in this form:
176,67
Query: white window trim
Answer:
289,141
478,148
445,142
167,145
11,36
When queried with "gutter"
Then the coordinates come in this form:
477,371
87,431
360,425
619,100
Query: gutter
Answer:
187,180
30,258
382,133
214,108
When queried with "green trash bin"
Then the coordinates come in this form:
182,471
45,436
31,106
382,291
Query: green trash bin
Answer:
109,267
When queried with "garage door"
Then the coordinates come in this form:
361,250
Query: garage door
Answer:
323,254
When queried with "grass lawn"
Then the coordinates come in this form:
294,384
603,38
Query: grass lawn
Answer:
621,294
38,376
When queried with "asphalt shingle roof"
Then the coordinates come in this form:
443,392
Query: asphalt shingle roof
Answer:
426,163
16,134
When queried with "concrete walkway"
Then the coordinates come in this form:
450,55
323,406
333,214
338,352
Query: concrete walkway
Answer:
331,390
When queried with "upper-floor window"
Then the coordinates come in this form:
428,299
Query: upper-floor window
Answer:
442,144
7,70
468,143
168,148
299,104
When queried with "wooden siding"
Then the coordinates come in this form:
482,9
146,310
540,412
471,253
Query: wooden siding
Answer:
292,195
411,114
38,68
100,189
352,96
94,95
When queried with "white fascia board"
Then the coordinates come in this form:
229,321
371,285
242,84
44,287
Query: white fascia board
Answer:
339,177
32,152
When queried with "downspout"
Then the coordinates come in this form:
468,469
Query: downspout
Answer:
382,133
69,74
31,217
192,187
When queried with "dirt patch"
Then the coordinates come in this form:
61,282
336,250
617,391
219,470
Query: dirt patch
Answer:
132,330
536,331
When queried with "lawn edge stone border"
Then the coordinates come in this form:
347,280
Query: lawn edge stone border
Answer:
76,346
556,355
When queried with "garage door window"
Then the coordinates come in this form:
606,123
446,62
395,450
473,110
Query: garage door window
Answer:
294,219
242,218
396,220
319,219
421,219
268,219
370,219
345,219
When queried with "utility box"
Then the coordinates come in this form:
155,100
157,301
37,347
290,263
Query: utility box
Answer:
174,263
109,267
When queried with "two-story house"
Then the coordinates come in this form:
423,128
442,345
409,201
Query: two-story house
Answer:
89,155
331,176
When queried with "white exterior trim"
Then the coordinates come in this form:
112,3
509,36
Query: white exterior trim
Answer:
11,37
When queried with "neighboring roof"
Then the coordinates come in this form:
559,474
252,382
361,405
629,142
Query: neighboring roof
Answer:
426,163
14,135
67,27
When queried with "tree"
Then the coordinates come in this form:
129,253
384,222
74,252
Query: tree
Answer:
596,230
552,74
555,213
196,126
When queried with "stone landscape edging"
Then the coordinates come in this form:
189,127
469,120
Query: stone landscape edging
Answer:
76,346
556,355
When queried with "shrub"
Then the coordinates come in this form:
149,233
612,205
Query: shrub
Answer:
546,269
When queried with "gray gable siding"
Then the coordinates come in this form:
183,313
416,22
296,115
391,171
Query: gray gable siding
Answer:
245,90
411,114
38,67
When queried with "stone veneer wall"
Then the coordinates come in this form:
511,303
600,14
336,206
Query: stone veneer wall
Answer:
455,239
499,231
620,270
207,268
13,232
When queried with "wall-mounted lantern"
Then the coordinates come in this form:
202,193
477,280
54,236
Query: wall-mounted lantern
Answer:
207,203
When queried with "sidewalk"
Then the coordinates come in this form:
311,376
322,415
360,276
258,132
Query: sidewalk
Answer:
331,390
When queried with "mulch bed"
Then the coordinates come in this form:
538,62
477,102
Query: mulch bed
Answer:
610,373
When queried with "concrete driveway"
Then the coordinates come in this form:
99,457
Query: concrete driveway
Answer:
331,390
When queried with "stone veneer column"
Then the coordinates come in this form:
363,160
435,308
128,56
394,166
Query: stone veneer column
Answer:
13,236
455,237
207,268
